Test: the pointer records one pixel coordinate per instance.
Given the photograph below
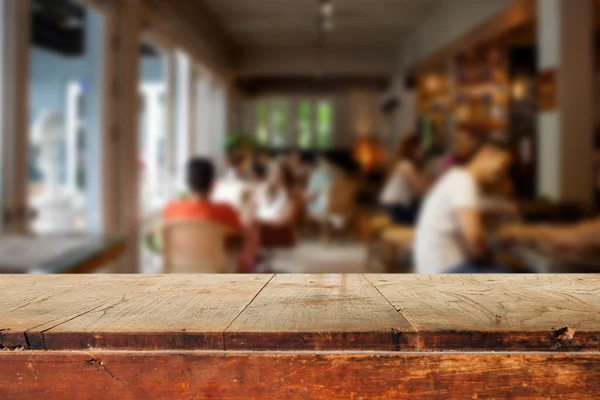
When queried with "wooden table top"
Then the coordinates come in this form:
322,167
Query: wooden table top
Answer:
55,254
301,312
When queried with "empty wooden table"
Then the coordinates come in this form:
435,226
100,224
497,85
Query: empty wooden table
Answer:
299,336
58,253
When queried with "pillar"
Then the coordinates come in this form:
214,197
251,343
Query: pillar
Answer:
565,126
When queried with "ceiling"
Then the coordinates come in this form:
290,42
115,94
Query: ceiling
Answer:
360,27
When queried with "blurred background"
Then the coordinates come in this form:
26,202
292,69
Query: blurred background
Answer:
103,102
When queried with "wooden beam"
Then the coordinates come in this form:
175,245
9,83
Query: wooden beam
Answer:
256,375
311,62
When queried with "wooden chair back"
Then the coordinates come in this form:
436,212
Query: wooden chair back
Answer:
195,247
342,199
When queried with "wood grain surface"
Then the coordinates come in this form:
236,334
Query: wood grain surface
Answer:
558,313
319,312
120,311
506,312
260,375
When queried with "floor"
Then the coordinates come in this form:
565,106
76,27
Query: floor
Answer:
308,257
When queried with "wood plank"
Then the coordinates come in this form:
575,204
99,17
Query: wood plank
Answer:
163,312
319,312
258,375
520,312
31,304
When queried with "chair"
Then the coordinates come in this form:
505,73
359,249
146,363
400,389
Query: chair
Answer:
341,210
196,247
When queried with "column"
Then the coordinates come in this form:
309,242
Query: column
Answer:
565,126
14,49
94,120
182,114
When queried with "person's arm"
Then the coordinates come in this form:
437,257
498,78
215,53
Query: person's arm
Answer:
466,204
581,237
473,232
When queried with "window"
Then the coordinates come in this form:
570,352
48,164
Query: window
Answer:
310,121
153,130
304,125
278,123
262,125
324,124
65,108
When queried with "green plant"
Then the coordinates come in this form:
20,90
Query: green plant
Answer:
240,141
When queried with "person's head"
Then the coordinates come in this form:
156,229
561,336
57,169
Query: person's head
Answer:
295,158
262,156
410,148
280,175
259,172
491,163
200,176
465,145
236,160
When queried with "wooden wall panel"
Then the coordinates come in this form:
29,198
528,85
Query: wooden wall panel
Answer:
194,375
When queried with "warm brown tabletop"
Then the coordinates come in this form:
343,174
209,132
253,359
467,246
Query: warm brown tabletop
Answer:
301,312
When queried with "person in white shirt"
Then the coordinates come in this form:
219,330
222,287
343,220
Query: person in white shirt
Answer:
405,185
450,235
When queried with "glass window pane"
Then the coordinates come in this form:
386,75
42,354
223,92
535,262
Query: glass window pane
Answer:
262,122
65,108
304,125
279,125
153,130
324,124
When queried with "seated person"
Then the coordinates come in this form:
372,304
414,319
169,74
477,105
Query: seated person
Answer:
234,187
464,146
406,185
298,167
319,184
277,208
199,206
450,234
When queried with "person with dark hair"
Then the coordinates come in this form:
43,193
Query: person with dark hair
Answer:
450,234
277,200
405,185
464,147
198,206
298,167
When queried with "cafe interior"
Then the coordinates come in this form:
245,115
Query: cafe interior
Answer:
103,103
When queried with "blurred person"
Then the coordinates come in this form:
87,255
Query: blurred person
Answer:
235,166
200,205
234,188
405,185
450,233
464,147
320,182
277,199
278,207
298,167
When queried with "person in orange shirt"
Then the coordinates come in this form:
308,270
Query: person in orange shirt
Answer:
199,207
